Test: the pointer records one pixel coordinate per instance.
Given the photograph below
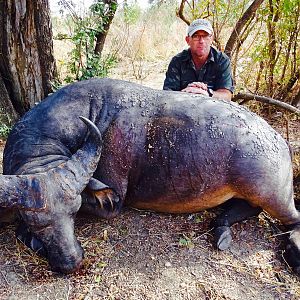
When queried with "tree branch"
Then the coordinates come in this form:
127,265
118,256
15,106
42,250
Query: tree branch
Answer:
247,97
179,13
240,25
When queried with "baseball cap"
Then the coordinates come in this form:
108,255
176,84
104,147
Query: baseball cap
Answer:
199,24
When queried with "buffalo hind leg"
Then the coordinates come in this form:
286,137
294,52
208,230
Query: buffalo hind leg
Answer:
290,218
236,210
28,239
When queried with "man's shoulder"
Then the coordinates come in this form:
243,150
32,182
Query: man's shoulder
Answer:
182,56
219,56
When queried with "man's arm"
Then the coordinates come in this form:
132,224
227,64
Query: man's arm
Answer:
224,83
222,94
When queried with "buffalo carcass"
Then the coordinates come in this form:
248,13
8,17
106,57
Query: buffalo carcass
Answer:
162,151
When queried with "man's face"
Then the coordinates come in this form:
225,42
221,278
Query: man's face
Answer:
200,43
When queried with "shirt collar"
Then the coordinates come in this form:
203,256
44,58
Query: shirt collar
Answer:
188,58
210,56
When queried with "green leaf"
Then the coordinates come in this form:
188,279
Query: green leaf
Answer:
98,278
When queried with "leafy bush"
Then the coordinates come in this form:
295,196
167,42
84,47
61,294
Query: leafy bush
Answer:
4,131
5,123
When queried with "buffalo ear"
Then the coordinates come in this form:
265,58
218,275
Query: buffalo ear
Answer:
74,174
25,192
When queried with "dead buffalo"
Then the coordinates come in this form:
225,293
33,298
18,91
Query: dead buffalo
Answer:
162,151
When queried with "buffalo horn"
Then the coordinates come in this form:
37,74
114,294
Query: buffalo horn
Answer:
23,191
30,192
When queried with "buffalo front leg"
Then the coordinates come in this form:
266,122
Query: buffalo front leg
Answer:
100,200
236,210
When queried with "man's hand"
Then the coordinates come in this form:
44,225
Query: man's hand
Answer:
201,88
196,88
198,84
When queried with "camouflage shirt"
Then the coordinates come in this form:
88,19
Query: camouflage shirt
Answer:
216,72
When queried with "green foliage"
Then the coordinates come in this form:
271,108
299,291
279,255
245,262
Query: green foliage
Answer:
84,63
97,67
5,124
100,15
277,71
220,11
4,131
187,240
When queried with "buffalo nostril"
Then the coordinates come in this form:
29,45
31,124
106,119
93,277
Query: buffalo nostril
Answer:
67,263
67,267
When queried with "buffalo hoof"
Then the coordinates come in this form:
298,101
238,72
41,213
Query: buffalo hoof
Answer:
28,239
223,237
292,257
105,204
292,251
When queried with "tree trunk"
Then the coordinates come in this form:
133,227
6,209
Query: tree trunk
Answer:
272,49
27,65
288,87
101,36
8,114
296,100
180,14
234,37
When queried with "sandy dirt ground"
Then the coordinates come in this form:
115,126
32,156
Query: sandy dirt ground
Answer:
145,255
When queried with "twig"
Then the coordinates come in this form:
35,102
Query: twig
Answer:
280,234
287,125
282,256
4,278
69,290
204,233
226,264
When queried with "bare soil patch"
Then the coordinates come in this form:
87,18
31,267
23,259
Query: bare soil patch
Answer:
145,255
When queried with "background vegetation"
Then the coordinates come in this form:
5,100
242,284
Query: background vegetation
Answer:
265,57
